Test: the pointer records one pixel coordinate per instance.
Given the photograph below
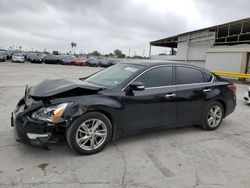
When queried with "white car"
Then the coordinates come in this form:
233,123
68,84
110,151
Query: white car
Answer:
18,58
247,96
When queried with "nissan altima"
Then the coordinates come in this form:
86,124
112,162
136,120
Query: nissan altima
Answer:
120,100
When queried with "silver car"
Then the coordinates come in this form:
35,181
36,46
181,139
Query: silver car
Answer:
18,58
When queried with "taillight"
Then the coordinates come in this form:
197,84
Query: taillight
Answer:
233,88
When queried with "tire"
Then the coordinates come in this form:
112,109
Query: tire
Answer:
81,136
212,120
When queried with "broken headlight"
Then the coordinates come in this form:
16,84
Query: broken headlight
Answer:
51,114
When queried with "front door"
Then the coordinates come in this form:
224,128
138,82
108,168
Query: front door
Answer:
155,106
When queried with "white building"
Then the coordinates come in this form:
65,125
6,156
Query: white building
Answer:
224,47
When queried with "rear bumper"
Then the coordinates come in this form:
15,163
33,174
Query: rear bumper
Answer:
51,61
230,106
36,61
17,61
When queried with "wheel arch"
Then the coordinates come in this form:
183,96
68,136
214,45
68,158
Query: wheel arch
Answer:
110,118
223,105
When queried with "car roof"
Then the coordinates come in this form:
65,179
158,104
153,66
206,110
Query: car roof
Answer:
151,63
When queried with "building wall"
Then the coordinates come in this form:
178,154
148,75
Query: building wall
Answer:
224,61
228,58
191,48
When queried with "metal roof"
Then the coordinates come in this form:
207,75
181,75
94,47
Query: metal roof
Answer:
173,40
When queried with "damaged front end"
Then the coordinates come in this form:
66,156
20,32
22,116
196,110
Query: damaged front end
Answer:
36,123
39,120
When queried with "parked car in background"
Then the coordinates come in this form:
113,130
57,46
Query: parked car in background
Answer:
35,58
67,60
3,57
120,100
105,63
18,58
6,53
25,54
50,59
92,62
79,62
247,95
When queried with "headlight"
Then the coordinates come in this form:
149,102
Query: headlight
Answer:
51,114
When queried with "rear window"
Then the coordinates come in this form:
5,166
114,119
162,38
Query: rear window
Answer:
187,75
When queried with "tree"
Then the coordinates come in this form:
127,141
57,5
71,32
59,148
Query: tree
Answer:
73,45
111,55
94,53
118,53
172,52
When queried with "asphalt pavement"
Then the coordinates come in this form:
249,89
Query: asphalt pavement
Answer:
187,157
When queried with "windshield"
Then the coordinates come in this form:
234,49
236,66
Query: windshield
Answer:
114,75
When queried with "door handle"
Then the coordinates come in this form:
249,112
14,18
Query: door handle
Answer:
170,95
206,90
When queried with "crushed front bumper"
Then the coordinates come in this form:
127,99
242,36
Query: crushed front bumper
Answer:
27,130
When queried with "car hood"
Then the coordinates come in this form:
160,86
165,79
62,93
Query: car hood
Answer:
52,87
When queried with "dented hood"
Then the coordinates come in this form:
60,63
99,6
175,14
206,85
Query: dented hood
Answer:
51,87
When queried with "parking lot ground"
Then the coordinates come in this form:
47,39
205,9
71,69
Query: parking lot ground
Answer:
187,157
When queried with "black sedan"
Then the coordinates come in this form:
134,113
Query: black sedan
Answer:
35,58
67,60
105,63
120,100
2,57
50,59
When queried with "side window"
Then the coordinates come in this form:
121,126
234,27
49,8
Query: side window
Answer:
186,75
208,77
161,76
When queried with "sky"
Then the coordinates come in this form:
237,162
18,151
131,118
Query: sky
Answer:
106,25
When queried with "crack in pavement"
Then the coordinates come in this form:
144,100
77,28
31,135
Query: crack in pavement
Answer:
197,178
198,181
123,178
58,183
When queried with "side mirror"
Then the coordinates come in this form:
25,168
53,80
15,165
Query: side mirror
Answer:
137,86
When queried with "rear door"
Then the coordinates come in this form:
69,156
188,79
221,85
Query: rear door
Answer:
193,88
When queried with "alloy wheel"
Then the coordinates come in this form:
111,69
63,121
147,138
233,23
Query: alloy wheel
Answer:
214,116
91,134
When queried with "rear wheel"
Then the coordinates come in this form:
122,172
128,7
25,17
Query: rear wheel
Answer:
90,133
213,116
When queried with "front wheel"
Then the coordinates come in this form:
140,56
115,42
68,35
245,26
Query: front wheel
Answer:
90,133
213,116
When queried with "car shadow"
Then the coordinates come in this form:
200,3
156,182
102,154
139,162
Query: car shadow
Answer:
61,148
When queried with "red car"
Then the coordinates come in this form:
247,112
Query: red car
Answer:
79,62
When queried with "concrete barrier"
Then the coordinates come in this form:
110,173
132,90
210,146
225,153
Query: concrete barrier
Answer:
232,74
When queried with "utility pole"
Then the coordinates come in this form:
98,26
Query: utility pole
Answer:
149,52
